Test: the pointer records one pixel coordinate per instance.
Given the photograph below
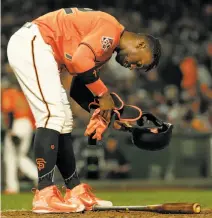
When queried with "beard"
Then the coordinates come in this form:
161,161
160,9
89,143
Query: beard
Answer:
121,59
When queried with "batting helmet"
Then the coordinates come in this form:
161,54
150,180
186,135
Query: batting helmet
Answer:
151,138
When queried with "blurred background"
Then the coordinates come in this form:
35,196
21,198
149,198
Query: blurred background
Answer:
178,91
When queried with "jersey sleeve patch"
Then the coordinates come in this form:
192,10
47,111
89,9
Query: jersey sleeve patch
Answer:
106,42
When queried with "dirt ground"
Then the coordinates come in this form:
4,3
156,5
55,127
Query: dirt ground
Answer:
108,214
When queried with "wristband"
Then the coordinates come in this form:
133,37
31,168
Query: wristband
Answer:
97,87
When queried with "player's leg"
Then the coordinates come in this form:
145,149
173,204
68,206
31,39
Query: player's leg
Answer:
44,98
37,72
23,129
10,165
66,159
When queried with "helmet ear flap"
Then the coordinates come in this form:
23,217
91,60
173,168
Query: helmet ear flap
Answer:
149,117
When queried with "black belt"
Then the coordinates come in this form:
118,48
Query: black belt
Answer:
28,25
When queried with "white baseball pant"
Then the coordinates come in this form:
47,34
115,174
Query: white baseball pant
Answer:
15,156
37,72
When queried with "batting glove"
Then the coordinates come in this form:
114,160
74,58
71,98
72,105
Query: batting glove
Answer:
97,125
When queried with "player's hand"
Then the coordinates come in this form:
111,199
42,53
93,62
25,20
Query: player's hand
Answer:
97,125
106,102
106,105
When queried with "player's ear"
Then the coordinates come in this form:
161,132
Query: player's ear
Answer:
141,44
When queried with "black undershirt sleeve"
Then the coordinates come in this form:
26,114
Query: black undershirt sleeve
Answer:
80,93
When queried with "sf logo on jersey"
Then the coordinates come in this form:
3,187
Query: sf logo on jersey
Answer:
106,42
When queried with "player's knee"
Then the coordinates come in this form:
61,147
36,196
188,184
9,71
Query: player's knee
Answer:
68,124
55,120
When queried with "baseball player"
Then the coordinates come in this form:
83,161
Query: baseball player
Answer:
81,40
21,125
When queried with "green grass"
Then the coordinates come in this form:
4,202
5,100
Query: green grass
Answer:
204,197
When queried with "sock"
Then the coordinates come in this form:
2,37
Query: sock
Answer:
45,149
66,161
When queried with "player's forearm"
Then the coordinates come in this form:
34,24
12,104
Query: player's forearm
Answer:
92,81
98,88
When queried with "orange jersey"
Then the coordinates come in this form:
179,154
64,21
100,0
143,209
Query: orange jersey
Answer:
66,29
14,101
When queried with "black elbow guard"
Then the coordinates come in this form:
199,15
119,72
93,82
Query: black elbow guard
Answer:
89,76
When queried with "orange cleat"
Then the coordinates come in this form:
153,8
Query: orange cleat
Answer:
50,200
84,194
